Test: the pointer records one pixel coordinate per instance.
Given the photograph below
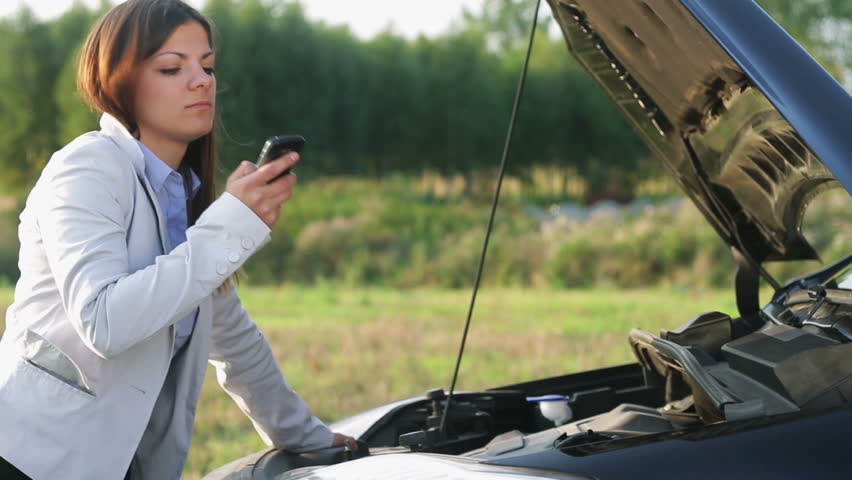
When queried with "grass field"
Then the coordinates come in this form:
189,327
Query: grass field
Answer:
348,349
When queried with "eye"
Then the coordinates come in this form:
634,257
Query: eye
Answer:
169,71
210,70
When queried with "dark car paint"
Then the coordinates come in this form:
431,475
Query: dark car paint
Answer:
796,446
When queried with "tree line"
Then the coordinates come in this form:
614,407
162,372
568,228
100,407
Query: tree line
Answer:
368,108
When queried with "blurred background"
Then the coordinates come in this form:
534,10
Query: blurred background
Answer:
405,116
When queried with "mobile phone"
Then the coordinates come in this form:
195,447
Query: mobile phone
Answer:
277,146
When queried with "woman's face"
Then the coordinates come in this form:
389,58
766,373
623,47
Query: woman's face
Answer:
176,90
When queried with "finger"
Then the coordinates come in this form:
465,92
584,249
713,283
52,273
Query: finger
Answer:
275,167
272,216
285,182
282,189
279,185
280,198
243,169
275,197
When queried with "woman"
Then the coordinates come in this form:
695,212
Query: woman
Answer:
127,259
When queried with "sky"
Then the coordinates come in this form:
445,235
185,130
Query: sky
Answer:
364,17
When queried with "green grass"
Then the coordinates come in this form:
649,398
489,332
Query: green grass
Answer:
347,349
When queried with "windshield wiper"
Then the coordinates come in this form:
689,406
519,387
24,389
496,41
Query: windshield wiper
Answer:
812,280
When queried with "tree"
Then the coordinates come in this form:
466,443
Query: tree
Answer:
372,107
68,32
824,27
506,23
39,109
27,112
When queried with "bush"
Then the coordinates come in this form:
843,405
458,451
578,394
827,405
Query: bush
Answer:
387,233
9,247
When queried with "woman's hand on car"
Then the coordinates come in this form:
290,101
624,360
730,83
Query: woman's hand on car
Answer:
341,440
252,186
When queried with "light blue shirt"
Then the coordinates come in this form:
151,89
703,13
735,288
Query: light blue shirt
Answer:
172,195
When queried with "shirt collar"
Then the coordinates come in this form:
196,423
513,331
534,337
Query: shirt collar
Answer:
158,171
116,131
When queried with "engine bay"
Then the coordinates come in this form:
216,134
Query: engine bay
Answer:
794,355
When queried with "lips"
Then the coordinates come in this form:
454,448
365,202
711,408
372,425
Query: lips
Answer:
202,104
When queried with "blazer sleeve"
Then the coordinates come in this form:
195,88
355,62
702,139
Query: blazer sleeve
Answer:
84,204
246,368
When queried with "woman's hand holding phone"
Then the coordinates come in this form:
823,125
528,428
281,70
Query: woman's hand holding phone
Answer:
277,146
261,189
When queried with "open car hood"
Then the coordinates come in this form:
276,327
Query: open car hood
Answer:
749,124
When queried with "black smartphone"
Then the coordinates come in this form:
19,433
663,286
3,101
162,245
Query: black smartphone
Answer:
277,146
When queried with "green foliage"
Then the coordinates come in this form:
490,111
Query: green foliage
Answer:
823,26
376,107
372,108
369,108
389,233
393,233
377,110
26,116
36,111
9,246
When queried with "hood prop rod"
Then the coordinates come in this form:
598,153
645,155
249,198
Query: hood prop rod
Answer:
518,93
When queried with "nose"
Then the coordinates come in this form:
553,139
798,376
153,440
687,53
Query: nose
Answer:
201,78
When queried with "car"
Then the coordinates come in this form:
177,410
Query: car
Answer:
753,129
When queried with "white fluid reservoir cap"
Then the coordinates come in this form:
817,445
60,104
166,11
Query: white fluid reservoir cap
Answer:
555,408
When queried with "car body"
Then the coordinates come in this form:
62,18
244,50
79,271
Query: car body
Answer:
753,129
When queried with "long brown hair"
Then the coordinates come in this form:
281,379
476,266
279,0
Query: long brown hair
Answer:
118,44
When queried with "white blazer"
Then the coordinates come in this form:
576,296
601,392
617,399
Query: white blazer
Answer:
88,344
